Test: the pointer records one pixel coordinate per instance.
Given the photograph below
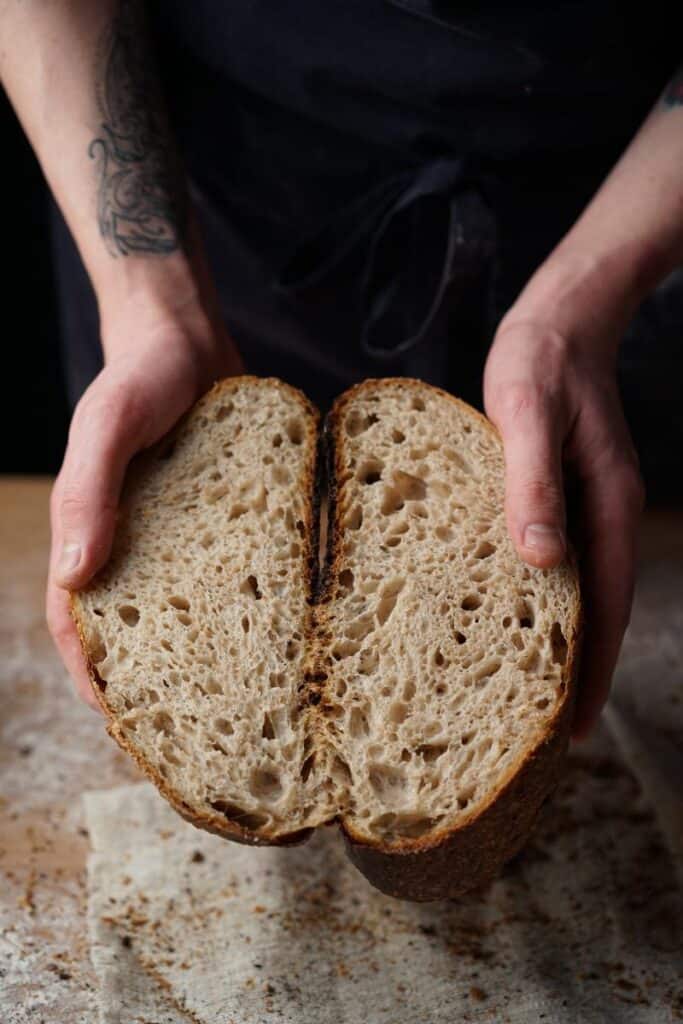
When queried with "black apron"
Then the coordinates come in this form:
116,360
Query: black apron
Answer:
377,179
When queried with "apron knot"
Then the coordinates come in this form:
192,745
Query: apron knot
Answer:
414,238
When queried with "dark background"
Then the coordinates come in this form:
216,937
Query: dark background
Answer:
35,414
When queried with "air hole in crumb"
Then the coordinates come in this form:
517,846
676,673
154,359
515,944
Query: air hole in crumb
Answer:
368,661
525,614
370,471
295,430
542,703
387,781
346,579
345,649
388,599
391,501
354,519
291,650
357,423
360,627
464,798
98,651
466,737
247,819
277,440
168,752
431,752
439,659
417,404
267,731
511,694
245,623
530,661
398,712
471,602
98,612
307,768
410,488
207,540
409,690
129,614
250,586
485,550
224,726
397,436
488,669
281,475
358,724
276,680
340,770
444,533
458,460
180,603
405,755
237,510
558,644
265,784
517,641
163,722
507,621
223,411
460,637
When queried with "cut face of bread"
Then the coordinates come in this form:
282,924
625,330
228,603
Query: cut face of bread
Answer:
197,627
420,695
445,656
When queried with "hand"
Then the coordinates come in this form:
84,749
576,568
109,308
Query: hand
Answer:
159,365
553,396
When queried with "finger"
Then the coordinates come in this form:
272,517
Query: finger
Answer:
613,503
534,501
107,429
63,631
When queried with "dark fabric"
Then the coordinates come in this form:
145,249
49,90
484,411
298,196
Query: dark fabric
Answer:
376,180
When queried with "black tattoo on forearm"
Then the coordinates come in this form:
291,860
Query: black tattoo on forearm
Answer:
141,192
673,94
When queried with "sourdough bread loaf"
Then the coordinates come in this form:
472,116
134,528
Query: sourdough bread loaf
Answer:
418,690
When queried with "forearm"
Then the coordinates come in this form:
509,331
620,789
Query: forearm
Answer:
627,240
81,77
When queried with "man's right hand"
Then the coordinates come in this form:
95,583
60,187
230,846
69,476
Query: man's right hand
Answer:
160,365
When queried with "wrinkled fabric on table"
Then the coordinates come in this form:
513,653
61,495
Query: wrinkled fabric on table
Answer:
585,925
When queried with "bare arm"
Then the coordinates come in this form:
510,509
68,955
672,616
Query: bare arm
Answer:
550,382
81,76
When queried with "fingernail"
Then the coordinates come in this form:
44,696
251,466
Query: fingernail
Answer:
69,560
546,541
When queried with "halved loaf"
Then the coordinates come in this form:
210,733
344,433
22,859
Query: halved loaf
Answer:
419,693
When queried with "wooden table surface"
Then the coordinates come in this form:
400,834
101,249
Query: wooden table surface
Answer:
52,748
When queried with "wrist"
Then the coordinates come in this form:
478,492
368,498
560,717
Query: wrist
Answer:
584,297
169,301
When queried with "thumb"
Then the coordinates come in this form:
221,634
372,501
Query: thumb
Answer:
534,495
107,429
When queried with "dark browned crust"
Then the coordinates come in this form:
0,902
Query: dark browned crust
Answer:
447,862
219,824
